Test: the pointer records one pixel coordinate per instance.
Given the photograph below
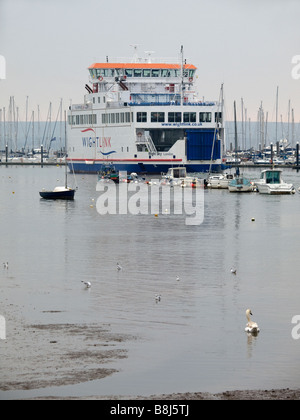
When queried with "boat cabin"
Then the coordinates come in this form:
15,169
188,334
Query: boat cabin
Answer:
271,176
176,173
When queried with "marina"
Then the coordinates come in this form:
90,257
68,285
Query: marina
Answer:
192,338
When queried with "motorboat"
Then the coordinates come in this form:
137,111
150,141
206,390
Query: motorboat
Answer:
178,177
271,182
219,181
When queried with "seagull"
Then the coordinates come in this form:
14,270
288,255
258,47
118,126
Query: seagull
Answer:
87,284
157,298
233,270
119,268
177,278
251,327
5,265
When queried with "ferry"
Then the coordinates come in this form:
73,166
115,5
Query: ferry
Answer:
145,116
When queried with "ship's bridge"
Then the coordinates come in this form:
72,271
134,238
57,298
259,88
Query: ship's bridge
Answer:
144,79
99,71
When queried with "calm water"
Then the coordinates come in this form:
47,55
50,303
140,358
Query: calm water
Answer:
194,339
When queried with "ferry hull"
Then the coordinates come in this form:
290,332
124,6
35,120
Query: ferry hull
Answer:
142,168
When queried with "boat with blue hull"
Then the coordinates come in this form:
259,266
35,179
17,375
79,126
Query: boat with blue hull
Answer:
145,116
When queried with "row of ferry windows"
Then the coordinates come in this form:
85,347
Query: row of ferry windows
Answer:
88,119
176,117
95,73
142,117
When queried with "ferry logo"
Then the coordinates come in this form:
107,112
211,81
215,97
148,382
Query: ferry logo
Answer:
2,68
89,129
2,328
296,68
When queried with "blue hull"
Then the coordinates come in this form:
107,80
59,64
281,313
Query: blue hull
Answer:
143,168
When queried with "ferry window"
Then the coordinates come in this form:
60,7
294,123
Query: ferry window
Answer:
122,117
165,73
205,117
189,117
128,72
117,118
98,99
218,117
174,117
155,73
127,117
138,72
141,117
192,73
112,118
146,73
157,117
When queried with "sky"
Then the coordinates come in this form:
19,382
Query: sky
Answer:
248,45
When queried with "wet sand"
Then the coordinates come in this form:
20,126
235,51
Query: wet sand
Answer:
44,355
274,394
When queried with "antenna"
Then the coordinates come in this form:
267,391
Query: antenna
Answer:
149,53
135,58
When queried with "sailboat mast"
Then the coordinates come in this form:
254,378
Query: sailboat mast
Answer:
66,151
277,94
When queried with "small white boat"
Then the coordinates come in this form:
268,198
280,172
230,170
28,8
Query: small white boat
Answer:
271,183
178,177
241,184
219,181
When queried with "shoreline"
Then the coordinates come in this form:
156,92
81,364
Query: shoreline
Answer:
273,394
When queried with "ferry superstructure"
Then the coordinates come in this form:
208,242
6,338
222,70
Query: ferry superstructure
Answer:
144,117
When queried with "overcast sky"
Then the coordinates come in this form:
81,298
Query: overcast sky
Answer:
247,44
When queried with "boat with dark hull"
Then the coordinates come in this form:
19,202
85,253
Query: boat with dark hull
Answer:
59,193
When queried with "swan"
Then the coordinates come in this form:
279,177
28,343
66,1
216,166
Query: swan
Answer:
251,327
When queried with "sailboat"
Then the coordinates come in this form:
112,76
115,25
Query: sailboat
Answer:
239,183
64,192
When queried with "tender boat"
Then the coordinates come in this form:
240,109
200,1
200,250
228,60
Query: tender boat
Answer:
178,177
271,183
220,181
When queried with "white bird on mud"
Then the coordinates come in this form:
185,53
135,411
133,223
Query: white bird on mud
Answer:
251,327
5,265
119,268
177,278
234,271
157,298
87,284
